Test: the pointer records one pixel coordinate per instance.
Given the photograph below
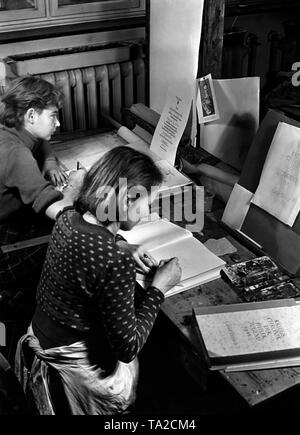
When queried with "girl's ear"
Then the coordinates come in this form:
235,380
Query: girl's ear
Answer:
29,116
123,201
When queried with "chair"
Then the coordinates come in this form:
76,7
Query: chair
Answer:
13,400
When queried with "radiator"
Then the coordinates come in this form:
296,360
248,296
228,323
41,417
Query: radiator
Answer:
91,92
94,82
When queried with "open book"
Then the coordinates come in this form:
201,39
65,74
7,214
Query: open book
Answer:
165,240
250,336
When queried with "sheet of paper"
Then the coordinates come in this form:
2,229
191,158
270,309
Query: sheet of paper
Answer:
278,192
237,207
172,177
230,137
207,105
87,150
176,60
220,246
172,122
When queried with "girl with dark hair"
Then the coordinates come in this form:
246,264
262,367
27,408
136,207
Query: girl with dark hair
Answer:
90,323
29,172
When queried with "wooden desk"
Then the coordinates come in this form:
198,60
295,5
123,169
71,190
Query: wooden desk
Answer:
254,386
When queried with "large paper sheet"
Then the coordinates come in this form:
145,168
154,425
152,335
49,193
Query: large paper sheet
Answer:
172,122
229,138
278,192
175,31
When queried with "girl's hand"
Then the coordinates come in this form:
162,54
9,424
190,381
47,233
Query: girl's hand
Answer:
142,258
167,275
57,176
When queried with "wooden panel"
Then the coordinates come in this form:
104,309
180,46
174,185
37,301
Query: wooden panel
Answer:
212,38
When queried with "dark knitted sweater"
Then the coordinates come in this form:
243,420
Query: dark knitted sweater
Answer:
87,291
21,183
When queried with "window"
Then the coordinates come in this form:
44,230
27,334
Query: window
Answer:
106,7
21,9
27,14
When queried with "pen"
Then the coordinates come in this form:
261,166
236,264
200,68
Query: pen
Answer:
78,166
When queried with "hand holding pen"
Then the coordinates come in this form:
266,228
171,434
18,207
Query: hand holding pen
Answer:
167,275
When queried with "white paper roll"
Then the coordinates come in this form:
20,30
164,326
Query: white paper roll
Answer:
128,135
135,141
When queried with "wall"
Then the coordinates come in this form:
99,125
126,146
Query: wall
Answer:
261,24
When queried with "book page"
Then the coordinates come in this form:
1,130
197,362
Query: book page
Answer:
156,233
250,331
194,258
278,192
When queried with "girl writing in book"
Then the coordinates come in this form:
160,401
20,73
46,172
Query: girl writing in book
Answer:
90,323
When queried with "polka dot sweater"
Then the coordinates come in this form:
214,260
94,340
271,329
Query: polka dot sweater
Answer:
88,284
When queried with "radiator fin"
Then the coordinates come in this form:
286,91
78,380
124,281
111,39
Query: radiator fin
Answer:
92,91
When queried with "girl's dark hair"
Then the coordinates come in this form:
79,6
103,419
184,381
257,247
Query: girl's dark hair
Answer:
119,163
25,93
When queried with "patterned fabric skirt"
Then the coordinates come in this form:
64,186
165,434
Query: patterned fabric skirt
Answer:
89,390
